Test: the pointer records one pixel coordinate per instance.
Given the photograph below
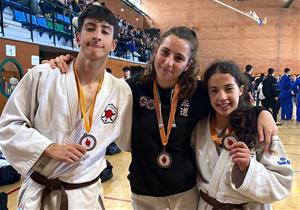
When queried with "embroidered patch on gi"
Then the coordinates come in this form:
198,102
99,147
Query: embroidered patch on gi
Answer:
184,108
146,102
110,114
283,161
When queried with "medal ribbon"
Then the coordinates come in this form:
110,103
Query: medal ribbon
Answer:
214,136
87,124
157,102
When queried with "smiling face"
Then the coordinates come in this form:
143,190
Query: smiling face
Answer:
171,59
224,93
95,39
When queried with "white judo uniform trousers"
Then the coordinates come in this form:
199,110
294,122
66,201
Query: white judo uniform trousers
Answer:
44,109
268,179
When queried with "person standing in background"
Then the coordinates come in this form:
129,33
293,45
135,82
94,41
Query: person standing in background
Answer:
248,74
126,72
269,90
285,97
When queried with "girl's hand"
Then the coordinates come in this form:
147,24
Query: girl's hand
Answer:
67,153
240,155
60,62
266,128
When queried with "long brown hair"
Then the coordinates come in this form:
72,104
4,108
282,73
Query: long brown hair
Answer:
187,79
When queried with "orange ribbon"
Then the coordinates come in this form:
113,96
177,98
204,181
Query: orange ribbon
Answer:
214,136
87,124
157,102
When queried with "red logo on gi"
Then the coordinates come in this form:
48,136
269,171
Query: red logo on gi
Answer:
110,114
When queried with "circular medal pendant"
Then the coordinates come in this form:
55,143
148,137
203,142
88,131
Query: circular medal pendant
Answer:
88,141
228,140
164,160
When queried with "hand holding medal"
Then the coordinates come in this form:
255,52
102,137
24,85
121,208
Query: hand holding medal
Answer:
237,149
226,139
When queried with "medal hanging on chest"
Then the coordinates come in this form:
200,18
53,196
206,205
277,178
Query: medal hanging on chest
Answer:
164,159
87,140
225,139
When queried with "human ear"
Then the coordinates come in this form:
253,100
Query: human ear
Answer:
114,45
241,90
189,63
77,37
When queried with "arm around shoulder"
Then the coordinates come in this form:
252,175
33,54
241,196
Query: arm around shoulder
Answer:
124,139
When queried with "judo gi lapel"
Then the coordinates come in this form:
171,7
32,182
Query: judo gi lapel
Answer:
217,162
102,101
74,109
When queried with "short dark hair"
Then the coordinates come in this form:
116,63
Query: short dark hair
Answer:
125,68
108,70
248,67
271,71
286,70
102,14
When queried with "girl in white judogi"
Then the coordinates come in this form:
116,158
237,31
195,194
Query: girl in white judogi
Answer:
234,172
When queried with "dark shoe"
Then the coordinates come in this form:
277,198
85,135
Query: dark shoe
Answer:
112,149
107,173
278,123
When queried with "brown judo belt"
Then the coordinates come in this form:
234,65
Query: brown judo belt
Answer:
56,184
218,205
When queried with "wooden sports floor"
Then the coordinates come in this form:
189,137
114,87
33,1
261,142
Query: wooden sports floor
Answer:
117,190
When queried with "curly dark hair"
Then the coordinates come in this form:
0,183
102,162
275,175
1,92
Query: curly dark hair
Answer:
243,122
188,79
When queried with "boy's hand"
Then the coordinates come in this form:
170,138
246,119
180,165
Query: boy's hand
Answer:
60,62
240,155
266,128
67,153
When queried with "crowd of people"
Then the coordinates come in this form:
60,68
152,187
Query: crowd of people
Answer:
194,144
133,43
275,92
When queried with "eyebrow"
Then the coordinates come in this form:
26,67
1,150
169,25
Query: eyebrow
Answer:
177,54
103,25
227,85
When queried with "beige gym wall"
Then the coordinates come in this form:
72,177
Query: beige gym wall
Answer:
226,34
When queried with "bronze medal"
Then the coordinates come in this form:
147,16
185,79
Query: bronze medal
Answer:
88,141
164,160
228,140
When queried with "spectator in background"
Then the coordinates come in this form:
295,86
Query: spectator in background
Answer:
296,88
109,70
126,72
248,74
75,6
285,96
32,4
257,82
269,90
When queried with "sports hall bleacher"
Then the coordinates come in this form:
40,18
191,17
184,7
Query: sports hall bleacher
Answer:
26,39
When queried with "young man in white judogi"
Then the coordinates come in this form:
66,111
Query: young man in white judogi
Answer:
55,127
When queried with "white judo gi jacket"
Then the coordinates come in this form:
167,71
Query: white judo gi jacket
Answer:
268,179
44,109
